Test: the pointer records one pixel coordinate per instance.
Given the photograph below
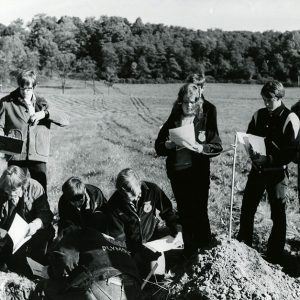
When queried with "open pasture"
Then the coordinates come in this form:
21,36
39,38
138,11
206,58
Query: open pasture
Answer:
117,128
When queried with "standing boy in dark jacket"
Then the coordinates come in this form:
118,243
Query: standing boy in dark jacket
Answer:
280,128
25,116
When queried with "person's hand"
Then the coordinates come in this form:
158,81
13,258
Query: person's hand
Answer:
3,233
34,119
170,145
34,226
62,264
198,148
260,160
257,159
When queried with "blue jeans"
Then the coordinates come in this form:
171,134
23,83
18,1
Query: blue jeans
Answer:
121,287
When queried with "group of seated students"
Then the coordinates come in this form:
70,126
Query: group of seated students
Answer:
99,246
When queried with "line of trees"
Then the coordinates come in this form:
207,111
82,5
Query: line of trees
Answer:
111,48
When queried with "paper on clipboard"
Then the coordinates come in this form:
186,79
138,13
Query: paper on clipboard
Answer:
183,136
166,243
18,232
257,143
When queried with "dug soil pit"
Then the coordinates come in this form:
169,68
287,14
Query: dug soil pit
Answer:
232,270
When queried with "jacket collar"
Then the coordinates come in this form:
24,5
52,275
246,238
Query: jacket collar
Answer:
278,111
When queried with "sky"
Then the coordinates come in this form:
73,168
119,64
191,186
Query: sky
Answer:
252,15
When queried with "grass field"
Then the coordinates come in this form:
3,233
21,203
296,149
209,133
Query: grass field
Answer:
117,127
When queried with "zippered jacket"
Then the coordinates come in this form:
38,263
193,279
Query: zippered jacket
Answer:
280,128
206,134
15,122
136,224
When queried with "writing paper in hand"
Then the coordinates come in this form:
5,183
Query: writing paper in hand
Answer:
166,243
183,136
257,143
18,232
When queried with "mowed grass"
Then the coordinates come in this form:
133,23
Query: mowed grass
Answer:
117,127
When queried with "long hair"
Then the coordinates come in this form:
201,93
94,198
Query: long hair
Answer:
188,90
13,177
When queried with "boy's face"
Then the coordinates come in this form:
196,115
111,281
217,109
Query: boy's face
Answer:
134,194
26,91
271,103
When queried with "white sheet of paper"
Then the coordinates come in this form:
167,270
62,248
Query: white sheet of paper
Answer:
37,268
166,243
257,142
18,232
183,136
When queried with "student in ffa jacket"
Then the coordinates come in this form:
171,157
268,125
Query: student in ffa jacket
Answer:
132,210
80,204
86,264
280,128
189,169
24,196
25,116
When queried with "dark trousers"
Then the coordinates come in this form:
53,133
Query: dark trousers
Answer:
36,248
37,170
275,184
191,195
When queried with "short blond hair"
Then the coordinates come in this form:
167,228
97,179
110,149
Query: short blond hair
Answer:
127,180
13,177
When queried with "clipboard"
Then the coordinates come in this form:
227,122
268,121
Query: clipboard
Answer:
11,146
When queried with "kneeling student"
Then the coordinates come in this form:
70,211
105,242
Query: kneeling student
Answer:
26,197
132,214
80,204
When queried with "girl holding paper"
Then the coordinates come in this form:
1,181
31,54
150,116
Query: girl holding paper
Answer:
188,168
24,198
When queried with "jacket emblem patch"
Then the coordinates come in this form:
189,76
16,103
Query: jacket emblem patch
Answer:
201,136
147,207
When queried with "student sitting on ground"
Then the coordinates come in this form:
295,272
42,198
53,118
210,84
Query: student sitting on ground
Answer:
78,203
132,210
26,197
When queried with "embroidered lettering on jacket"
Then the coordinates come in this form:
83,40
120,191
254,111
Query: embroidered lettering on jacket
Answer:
114,249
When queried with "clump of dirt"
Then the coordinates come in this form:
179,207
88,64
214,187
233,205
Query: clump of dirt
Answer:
13,286
232,270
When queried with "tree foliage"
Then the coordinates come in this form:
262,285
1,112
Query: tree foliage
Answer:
112,48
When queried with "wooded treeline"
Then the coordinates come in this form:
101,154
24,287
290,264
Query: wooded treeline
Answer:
112,48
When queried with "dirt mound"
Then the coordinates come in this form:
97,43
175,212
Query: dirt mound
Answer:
13,286
232,270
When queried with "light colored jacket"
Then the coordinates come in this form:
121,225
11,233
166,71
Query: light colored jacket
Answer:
15,122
